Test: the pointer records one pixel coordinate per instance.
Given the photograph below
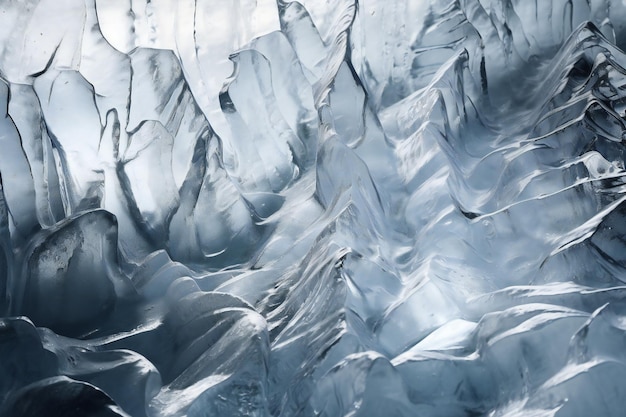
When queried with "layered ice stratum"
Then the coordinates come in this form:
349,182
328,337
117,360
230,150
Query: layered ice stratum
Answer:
327,208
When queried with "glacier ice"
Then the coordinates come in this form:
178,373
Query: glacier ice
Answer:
315,208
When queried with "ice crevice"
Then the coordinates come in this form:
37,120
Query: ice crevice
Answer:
282,208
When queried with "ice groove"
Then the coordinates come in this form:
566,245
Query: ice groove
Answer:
314,208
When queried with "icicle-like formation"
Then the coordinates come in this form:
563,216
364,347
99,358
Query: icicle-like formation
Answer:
326,208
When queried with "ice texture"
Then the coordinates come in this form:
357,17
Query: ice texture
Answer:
317,208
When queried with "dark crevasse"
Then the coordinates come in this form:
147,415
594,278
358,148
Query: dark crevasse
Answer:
281,208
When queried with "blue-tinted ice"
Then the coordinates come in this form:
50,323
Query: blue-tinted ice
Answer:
326,208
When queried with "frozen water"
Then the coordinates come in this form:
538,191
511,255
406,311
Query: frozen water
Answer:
326,208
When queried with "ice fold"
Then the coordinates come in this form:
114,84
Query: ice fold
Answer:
312,208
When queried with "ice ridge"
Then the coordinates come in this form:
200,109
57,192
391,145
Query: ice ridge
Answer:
280,208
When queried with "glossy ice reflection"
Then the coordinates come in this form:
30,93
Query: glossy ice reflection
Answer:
263,208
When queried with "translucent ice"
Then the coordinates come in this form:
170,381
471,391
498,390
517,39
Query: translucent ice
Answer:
316,208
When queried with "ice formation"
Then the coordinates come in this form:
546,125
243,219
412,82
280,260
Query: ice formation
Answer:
326,208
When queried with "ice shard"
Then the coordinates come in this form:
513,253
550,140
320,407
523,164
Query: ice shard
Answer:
312,208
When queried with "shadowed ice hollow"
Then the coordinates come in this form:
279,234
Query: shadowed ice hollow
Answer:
328,208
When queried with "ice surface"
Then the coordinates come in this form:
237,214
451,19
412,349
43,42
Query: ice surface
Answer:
326,208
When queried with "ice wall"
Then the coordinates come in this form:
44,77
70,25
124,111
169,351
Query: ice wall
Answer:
327,208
